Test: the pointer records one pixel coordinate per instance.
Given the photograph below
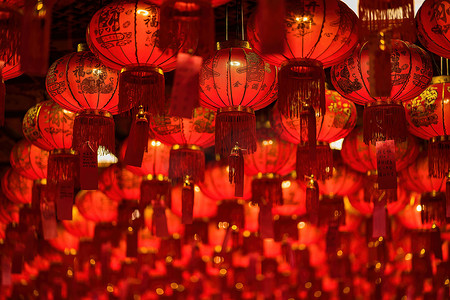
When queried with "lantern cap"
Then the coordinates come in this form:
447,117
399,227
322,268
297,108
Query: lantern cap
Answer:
233,44
82,47
440,79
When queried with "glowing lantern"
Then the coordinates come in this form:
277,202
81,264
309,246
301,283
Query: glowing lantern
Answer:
358,201
384,117
17,189
96,206
119,183
204,207
65,242
294,199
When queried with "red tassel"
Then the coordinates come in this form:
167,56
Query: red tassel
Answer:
10,19
308,120
235,125
88,167
312,200
301,83
36,25
272,27
433,207
236,170
379,47
155,191
189,24
439,156
332,211
142,86
384,121
187,198
187,160
447,196
266,230
267,191
132,242
95,127
137,140
379,218
2,99
321,167
394,16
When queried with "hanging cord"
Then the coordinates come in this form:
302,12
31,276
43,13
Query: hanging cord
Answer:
226,22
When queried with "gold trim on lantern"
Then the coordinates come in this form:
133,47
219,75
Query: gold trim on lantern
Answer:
267,176
97,112
318,143
158,177
385,101
440,79
42,181
142,68
63,151
301,62
372,173
82,47
190,147
235,108
233,44
441,138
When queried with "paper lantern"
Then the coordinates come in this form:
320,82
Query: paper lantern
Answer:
319,34
119,183
294,199
10,31
96,206
411,72
358,202
126,34
28,160
65,241
79,226
427,117
204,207
11,69
17,189
338,122
431,27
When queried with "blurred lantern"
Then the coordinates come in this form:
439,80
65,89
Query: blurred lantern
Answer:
118,183
431,24
187,160
10,32
17,189
339,120
294,201
65,242
307,50
49,127
9,68
173,223
236,81
96,206
126,34
384,117
358,202
432,190
79,226
79,82
204,207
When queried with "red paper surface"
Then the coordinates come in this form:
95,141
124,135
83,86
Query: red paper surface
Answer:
6,271
88,168
48,217
65,200
185,91
387,173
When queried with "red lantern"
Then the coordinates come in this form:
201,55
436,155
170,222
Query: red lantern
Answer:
120,184
29,161
65,242
294,199
10,31
125,34
358,201
17,189
96,206
319,34
79,226
204,207
431,26
11,69
339,120
411,72
49,126
79,82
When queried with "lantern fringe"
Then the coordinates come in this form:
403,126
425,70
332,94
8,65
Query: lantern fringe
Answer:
95,127
312,200
142,86
10,33
267,191
376,16
137,140
236,171
187,200
159,222
155,192
433,207
235,127
301,83
308,120
439,157
321,168
187,161
331,211
2,98
384,121
188,24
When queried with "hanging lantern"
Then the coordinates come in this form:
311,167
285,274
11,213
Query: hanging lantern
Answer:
17,189
294,201
431,25
125,34
96,206
65,242
79,226
338,122
384,117
49,126
10,17
204,207
311,44
118,183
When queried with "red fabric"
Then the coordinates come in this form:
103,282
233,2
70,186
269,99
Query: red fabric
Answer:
126,33
48,126
426,114
17,189
204,207
197,131
118,183
96,206
416,178
431,22
11,69
411,73
362,157
79,81
237,76
329,34
344,182
338,122
155,161
28,160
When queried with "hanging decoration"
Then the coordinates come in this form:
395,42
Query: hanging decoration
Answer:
9,69
17,188
49,126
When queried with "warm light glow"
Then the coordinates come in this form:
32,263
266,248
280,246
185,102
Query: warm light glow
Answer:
337,145
301,225
308,285
159,291
197,189
110,288
92,261
234,228
346,290
239,286
353,4
267,142
408,256
142,12
317,294
235,63
246,233
339,253
174,285
194,278
69,273
105,158
286,184
169,259
419,207
223,272
422,252
155,143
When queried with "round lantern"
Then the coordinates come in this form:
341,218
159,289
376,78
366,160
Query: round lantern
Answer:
10,17
11,69
79,226
96,206
79,82
204,207
49,126
427,117
235,81
294,199
358,201
432,190
384,117
126,34
119,183
319,34
65,241
338,122
29,161
17,189
431,26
